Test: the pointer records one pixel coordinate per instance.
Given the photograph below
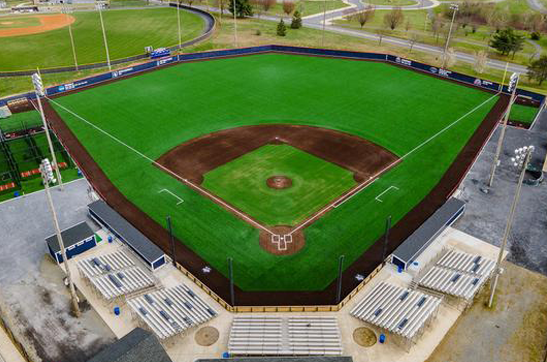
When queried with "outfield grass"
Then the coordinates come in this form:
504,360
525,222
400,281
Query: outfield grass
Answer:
395,108
18,22
128,33
315,182
523,114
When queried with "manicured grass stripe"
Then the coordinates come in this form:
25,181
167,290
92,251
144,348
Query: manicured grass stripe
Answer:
128,33
396,108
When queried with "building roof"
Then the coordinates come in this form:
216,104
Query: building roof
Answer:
137,346
71,236
421,237
140,243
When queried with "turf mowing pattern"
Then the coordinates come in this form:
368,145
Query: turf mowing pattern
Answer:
128,33
393,107
315,182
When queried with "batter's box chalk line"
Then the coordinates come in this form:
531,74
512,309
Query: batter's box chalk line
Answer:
180,201
377,198
281,241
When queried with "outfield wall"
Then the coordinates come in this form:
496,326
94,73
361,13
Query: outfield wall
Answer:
535,98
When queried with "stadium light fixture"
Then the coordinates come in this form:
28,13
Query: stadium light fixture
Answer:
512,87
48,178
521,160
454,8
39,89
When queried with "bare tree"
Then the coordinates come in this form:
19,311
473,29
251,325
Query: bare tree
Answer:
411,41
450,57
288,7
394,18
364,17
268,4
408,26
481,58
257,7
381,33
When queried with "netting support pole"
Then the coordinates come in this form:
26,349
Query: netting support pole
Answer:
386,239
172,240
231,274
340,268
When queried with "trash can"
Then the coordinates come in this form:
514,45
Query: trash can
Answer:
16,194
399,269
117,310
110,238
382,338
225,355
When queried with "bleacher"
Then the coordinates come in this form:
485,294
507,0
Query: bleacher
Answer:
401,311
458,274
258,335
170,311
115,275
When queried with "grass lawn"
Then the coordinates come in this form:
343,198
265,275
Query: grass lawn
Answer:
391,2
128,33
315,182
18,22
20,121
393,107
523,114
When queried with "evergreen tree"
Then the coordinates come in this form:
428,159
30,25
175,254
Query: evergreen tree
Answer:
281,28
243,8
538,69
507,41
296,20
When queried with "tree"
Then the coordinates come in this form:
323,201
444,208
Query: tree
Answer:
288,7
267,5
411,41
365,16
394,18
481,58
243,8
381,33
408,26
296,20
257,7
436,26
507,41
450,58
281,28
537,70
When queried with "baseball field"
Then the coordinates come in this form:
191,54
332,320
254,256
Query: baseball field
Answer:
30,41
276,175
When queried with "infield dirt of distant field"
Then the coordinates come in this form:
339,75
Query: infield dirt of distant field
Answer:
47,23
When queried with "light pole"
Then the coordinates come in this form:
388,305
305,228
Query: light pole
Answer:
324,22
235,24
178,23
47,178
454,8
521,160
66,11
99,6
39,90
513,82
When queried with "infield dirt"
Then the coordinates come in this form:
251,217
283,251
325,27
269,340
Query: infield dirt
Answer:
47,23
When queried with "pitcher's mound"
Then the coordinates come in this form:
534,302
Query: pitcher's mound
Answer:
279,182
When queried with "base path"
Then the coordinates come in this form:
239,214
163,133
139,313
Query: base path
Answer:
47,23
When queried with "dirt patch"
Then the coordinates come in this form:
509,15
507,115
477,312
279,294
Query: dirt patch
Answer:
47,23
206,336
282,245
364,337
279,182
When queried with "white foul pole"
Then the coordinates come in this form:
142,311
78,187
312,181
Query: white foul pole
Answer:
39,91
99,6
47,177
178,24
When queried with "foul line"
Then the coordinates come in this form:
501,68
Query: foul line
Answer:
172,194
373,178
178,177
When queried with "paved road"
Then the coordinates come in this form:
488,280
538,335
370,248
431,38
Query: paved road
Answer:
537,5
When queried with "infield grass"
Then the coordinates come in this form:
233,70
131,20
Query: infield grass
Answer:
395,108
315,182
128,33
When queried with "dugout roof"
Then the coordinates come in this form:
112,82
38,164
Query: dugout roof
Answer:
133,237
71,236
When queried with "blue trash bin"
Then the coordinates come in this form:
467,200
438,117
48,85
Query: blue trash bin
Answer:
117,310
16,194
79,173
382,338
399,269
225,355
110,238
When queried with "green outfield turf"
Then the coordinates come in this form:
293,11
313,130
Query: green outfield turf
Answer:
128,33
397,109
315,182
523,114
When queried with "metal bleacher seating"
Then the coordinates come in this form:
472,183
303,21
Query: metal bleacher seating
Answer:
402,311
171,311
106,263
278,336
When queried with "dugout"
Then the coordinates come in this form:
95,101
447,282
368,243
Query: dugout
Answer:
420,239
149,252
76,240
